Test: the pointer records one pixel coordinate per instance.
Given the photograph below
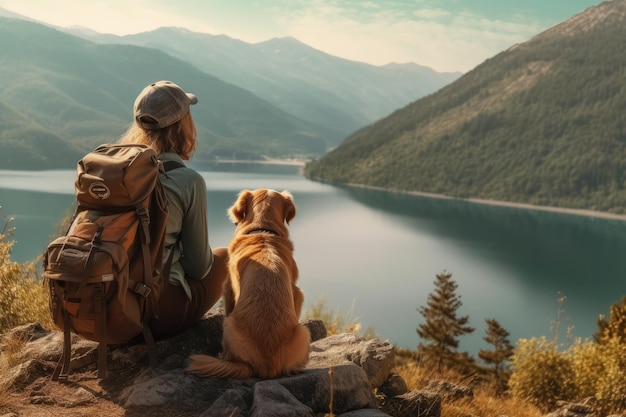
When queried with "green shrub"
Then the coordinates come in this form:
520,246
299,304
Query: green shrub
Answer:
541,374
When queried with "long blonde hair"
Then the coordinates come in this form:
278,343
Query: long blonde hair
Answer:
179,137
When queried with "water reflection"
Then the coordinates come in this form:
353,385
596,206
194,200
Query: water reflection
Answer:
549,249
581,257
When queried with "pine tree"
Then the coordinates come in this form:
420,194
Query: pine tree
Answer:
442,326
497,336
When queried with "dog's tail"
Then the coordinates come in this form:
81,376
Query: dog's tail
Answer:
205,365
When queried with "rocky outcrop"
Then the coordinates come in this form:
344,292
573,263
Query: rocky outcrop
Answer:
343,373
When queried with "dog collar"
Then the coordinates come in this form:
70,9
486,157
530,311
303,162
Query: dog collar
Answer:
256,231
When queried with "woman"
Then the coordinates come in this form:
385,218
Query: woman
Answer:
163,121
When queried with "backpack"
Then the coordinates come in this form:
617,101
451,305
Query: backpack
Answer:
104,275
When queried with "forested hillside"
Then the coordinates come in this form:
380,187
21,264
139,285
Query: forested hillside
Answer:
542,123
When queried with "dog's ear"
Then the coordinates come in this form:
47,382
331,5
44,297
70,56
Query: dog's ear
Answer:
290,207
238,210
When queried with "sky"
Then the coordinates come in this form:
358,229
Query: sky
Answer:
446,35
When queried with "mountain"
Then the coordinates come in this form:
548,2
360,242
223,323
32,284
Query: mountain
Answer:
62,95
543,122
316,87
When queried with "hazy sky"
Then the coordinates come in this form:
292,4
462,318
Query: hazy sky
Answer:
447,35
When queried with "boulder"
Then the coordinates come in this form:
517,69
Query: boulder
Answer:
375,357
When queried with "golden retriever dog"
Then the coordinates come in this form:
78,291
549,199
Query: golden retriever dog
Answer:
262,334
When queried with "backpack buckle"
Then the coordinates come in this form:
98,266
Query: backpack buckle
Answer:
143,214
142,289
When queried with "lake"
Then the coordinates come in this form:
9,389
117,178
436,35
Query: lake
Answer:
373,255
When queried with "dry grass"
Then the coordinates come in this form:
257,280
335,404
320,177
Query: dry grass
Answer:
23,298
10,356
10,352
486,402
337,322
5,392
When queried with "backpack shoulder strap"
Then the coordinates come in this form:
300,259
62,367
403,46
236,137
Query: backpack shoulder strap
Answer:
62,369
169,166
147,332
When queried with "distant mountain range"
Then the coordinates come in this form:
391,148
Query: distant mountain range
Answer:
62,94
541,123
313,86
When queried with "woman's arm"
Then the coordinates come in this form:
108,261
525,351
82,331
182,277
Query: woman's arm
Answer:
194,235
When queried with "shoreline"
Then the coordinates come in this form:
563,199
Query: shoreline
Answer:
302,162
266,161
525,206
561,210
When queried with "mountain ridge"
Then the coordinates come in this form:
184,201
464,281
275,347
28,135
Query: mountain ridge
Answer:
317,114
341,94
81,93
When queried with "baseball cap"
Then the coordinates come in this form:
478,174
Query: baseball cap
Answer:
162,104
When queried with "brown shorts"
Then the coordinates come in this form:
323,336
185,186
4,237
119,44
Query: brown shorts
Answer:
177,312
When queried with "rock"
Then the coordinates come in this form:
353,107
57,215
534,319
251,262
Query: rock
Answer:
448,391
232,403
273,399
349,387
393,385
78,398
343,372
377,358
365,412
569,409
155,388
413,404
26,373
316,328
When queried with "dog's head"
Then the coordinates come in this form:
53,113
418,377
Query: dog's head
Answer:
263,209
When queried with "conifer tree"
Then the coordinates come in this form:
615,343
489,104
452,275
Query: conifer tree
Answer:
442,326
497,336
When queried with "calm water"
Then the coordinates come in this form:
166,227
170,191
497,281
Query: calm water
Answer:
373,255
